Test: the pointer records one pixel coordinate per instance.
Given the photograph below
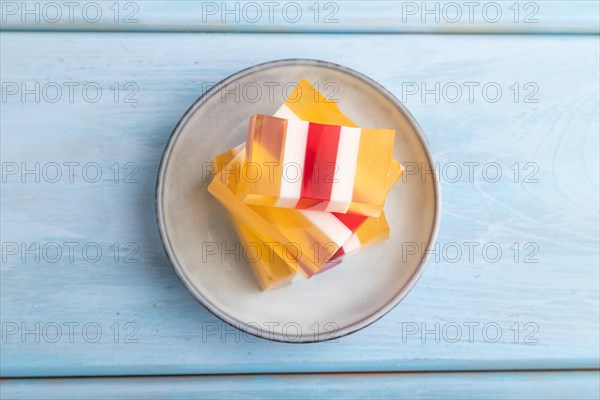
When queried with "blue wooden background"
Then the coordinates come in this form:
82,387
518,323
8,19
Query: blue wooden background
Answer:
118,316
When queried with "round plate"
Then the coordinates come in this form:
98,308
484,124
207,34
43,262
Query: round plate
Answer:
205,251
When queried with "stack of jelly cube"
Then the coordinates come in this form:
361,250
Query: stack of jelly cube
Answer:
307,188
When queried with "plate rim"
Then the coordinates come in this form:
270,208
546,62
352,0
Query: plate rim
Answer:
230,320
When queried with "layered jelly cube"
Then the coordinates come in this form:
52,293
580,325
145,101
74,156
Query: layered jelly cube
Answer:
274,267
319,167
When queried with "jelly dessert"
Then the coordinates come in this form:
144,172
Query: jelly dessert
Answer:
320,167
295,236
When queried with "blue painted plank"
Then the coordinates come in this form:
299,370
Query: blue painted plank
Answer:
477,385
544,16
543,300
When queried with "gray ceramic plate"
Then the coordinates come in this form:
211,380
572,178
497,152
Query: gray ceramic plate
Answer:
198,236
